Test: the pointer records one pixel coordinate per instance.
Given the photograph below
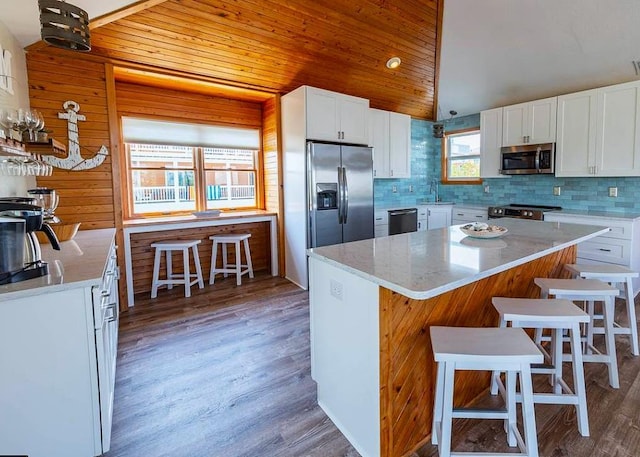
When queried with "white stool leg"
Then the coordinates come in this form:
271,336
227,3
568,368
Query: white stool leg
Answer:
214,259
247,254
169,259
510,400
556,359
447,410
631,314
610,343
238,264
578,380
225,264
495,375
436,428
156,273
528,413
196,262
187,273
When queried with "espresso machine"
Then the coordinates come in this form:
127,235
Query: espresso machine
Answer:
20,255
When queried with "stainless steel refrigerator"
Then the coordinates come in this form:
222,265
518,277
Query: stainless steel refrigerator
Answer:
340,193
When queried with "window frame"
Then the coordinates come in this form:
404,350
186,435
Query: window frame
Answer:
444,157
199,178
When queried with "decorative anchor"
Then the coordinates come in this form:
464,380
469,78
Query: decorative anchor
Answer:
74,160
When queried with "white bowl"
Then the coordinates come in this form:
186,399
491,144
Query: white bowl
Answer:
493,231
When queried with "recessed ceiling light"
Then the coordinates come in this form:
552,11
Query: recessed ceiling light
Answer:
393,62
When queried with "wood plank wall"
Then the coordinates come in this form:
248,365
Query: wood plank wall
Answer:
142,252
407,368
169,104
56,76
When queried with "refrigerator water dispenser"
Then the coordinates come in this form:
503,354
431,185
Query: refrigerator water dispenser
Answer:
327,196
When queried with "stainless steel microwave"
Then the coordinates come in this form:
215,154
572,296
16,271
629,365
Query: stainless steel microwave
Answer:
527,159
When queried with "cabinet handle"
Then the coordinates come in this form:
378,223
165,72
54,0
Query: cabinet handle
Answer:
374,172
604,250
481,217
391,171
459,214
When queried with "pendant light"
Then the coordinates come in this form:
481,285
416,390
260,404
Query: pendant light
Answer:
64,25
438,128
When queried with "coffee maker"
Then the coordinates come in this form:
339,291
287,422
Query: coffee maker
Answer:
48,199
18,224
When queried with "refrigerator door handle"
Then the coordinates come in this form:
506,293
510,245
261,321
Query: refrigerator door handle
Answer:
340,195
345,185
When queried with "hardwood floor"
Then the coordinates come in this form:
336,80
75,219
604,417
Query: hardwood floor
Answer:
227,373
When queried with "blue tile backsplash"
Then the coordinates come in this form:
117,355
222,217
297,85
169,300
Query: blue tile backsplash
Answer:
576,193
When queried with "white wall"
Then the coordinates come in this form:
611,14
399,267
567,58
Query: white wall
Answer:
13,185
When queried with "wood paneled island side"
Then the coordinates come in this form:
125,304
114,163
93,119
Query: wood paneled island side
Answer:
372,303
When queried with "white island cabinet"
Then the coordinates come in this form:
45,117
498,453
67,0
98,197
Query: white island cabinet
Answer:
58,343
372,303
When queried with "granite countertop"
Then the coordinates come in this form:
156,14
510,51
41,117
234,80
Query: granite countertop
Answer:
424,264
79,263
630,216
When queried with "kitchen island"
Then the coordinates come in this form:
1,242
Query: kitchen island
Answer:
372,303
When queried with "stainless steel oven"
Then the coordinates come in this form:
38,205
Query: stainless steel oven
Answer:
519,211
527,159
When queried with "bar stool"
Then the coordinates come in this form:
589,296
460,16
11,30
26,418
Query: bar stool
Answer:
615,275
484,349
173,278
587,290
227,268
557,315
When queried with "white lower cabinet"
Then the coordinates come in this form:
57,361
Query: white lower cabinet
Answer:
619,246
381,223
465,215
438,216
57,353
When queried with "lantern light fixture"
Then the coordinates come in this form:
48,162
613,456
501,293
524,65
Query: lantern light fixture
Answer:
64,25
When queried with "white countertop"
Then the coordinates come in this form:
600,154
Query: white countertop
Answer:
79,263
630,216
424,264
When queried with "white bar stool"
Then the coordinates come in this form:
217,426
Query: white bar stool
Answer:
588,290
557,315
617,276
484,349
227,268
172,278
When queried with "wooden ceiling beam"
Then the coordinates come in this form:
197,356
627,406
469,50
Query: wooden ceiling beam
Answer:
123,12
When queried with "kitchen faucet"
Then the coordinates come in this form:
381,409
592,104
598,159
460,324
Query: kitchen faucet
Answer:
434,188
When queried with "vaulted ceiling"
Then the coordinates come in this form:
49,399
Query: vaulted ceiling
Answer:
278,45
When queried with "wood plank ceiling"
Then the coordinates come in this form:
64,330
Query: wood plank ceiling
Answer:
278,45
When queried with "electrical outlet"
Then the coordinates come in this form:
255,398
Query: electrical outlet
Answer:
613,191
336,289
410,188
486,189
394,189
556,190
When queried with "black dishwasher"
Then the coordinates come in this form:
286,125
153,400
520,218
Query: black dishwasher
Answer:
403,220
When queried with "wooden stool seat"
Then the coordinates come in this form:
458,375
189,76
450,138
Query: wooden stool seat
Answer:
238,267
587,290
505,349
617,276
174,278
558,315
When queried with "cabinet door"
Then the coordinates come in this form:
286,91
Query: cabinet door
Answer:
354,119
541,121
514,120
379,141
322,115
576,143
439,217
618,131
399,145
490,143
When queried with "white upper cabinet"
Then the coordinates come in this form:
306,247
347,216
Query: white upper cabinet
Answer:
390,137
336,117
490,143
531,122
599,133
576,143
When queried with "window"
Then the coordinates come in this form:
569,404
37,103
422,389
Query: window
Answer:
461,156
173,178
